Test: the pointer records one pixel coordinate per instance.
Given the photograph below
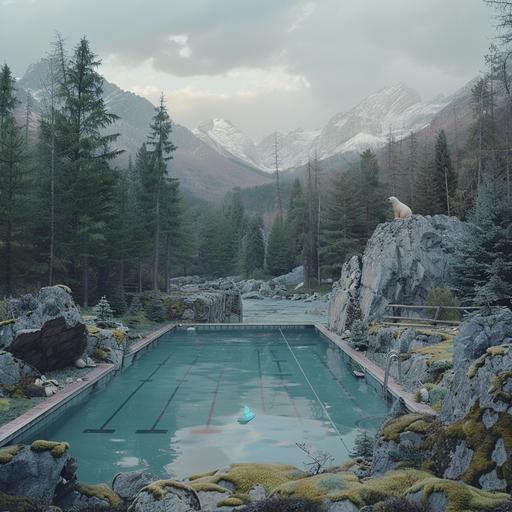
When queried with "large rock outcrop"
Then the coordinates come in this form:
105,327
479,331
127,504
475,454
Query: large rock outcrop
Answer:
46,330
471,439
402,262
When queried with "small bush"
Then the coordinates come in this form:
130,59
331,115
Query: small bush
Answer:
359,335
284,504
103,311
400,505
118,301
443,297
155,308
363,446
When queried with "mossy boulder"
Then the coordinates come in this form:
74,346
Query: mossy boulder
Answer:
165,495
85,498
17,503
452,496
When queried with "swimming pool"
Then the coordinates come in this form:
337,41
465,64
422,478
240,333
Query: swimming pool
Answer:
174,411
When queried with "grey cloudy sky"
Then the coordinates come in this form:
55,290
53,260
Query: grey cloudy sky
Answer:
263,64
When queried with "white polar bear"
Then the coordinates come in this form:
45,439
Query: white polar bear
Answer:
401,210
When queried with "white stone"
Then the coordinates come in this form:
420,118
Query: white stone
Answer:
80,363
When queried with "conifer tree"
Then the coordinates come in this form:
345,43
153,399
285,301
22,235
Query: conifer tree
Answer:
444,176
157,180
429,196
296,221
254,247
87,182
279,258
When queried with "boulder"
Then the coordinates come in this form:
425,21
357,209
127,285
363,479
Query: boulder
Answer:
127,485
107,345
166,496
86,498
14,371
48,332
36,471
403,260
293,278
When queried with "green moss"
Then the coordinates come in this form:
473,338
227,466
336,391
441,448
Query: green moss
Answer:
439,351
461,497
16,503
417,396
476,365
497,385
119,335
160,488
7,453
232,501
5,405
482,441
7,322
100,354
418,423
346,486
93,330
207,487
197,476
496,351
245,476
56,448
102,492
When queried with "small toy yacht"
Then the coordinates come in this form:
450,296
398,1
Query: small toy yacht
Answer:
248,416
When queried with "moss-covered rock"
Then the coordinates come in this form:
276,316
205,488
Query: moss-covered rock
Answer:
418,423
16,503
164,495
459,496
7,453
56,448
101,492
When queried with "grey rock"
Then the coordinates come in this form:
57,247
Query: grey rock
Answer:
176,499
402,262
411,439
491,482
341,506
257,493
35,474
75,501
460,459
13,370
188,314
499,454
293,278
438,501
489,418
128,484
344,306
252,296
210,499
48,332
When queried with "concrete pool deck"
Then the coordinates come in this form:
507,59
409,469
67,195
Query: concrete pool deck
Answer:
46,410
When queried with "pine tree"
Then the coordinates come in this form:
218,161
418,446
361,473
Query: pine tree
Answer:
254,247
296,221
156,178
444,175
87,182
429,197
279,258
343,229
482,268
103,311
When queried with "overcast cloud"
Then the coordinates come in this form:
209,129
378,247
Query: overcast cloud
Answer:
263,64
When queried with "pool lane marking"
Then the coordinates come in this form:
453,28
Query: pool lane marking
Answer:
153,429
102,429
284,385
214,399
326,412
356,407
260,372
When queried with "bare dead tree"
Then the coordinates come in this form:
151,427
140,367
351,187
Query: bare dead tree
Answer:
318,459
276,168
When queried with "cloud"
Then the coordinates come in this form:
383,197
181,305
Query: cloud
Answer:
295,61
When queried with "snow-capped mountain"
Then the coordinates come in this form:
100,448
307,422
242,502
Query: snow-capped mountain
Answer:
228,140
395,110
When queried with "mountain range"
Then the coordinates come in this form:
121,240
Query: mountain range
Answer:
217,156
394,111
204,173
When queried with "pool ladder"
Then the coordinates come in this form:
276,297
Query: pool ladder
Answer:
390,357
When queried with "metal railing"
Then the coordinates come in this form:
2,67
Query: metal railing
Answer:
425,321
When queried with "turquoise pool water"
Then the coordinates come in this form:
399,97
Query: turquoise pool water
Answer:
174,411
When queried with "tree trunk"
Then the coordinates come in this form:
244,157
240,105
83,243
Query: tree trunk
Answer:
85,281
167,265
156,256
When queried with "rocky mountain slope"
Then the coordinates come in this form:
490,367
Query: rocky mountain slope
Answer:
395,110
204,172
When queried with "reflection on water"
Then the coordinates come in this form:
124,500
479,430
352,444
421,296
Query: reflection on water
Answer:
285,311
